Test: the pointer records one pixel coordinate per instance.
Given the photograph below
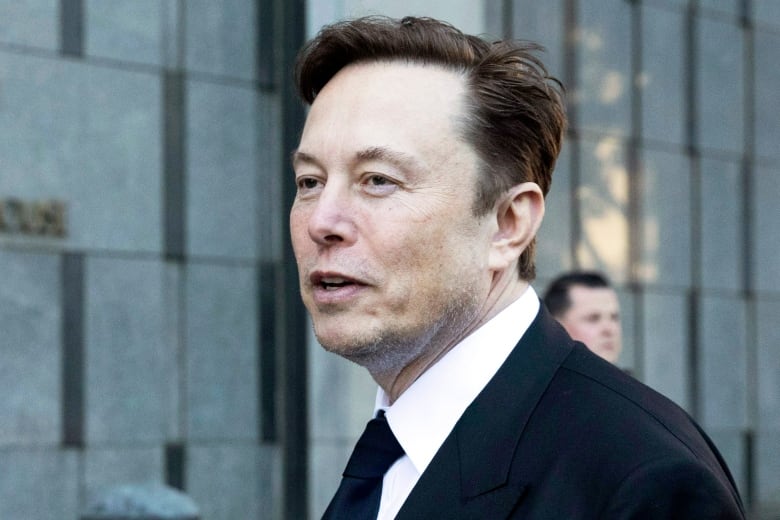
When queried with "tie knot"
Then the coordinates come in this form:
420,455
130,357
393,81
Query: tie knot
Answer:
376,450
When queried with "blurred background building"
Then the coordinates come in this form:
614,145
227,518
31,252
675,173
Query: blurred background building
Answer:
150,328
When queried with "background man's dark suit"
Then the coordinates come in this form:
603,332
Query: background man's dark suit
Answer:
559,433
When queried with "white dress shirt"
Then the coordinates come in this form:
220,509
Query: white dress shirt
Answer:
423,416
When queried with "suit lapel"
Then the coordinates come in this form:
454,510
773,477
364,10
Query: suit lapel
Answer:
471,474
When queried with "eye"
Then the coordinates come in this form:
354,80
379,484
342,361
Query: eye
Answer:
379,184
307,184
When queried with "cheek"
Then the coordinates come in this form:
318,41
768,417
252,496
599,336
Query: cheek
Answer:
421,248
299,229
414,261
579,331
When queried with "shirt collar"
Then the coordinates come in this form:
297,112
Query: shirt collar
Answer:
424,415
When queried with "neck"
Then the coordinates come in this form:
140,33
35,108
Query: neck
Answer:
401,376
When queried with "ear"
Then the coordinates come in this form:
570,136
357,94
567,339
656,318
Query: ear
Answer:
519,214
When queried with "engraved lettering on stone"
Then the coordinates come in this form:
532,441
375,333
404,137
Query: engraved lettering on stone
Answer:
39,218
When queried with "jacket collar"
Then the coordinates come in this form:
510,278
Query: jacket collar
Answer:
477,456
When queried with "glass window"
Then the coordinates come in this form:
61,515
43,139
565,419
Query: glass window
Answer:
604,66
665,219
661,79
719,85
603,203
722,240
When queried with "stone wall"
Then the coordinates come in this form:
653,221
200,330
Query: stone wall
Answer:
131,342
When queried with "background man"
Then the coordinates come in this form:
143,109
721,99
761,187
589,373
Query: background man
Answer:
421,172
587,306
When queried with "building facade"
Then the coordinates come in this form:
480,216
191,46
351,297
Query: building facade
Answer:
150,329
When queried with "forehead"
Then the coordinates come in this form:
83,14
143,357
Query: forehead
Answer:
385,99
410,79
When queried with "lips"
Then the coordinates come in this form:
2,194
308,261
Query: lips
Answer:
332,281
329,288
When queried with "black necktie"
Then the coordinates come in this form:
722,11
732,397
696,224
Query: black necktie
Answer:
361,486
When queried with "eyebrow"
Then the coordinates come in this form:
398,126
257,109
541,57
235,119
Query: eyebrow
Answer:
302,157
381,153
373,153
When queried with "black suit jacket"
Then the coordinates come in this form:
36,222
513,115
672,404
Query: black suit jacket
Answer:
558,434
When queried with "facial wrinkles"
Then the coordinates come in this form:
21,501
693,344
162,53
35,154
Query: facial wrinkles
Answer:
442,190
384,354
419,302
437,198
384,348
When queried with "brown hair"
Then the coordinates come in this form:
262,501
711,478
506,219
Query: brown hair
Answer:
515,119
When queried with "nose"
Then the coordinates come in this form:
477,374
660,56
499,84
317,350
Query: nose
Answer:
332,220
614,327
608,327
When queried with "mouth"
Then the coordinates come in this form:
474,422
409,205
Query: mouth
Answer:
334,290
332,282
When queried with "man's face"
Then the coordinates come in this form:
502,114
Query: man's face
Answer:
594,319
390,255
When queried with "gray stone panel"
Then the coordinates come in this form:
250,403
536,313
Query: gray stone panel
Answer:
604,66
321,13
731,444
334,380
543,23
665,343
173,55
270,235
767,93
229,482
553,244
105,468
661,79
33,23
668,3
222,170
30,321
768,312
129,365
88,136
722,363
767,462
40,129
219,39
116,190
766,12
334,429
493,21
467,15
665,219
603,198
722,239
766,215
222,350
719,85
727,7
327,461
39,484
125,31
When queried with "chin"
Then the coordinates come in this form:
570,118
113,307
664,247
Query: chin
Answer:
379,351
336,337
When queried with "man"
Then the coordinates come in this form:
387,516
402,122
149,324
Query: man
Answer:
587,306
421,173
